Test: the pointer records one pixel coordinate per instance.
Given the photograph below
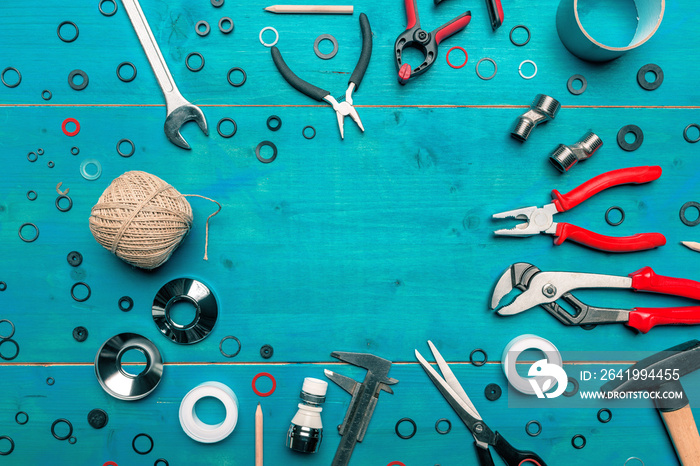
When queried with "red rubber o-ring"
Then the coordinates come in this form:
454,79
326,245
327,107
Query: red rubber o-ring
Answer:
396,463
269,376
70,134
110,463
466,57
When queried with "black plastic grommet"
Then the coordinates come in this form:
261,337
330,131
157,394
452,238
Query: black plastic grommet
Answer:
21,418
437,426
12,445
685,133
119,73
80,334
602,419
266,351
97,418
74,258
477,362
221,346
410,421
493,391
222,134
72,291
519,44
65,39
141,452
190,67
574,389
263,159
530,432
303,132
607,216
271,119
239,83
576,445
125,304
570,84
82,85
642,77
66,208
70,429
684,219
638,134
126,154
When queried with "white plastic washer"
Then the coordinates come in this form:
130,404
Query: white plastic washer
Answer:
510,356
198,430
83,169
520,69
269,28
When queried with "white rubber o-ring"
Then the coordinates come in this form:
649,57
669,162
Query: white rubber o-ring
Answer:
510,356
83,169
520,69
198,430
269,28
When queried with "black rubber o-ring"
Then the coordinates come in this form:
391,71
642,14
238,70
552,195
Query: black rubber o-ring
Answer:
19,76
639,137
50,164
130,142
332,53
74,150
12,446
409,420
519,44
437,426
602,419
303,132
26,418
492,392
12,333
574,390
570,84
81,86
575,445
32,195
607,216
272,118
238,84
140,452
3,286
685,133
495,68
218,128
535,433
187,61
221,25
478,363
74,258
28,240
58,31
161,460
50,381
80,334
46,94
32,159
206,28
263,159
266,351
129,304
40,151
122,78
112,13
72,440
217,3
58,203
70,429
642,79
684,219
72,292
221,346
11,341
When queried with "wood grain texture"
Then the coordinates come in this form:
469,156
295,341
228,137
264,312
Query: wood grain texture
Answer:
374,243
682,429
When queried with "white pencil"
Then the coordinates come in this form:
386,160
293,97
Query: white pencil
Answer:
311,9
259,436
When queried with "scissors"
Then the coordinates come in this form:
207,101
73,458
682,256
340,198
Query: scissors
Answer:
462,405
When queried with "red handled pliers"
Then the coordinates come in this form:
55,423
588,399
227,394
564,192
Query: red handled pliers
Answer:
545,288
540,219
426,42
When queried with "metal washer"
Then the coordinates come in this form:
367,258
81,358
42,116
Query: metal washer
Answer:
329,55
194,292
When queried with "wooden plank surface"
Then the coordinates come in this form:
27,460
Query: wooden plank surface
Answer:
374,243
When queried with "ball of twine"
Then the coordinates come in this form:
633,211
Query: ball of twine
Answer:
141,219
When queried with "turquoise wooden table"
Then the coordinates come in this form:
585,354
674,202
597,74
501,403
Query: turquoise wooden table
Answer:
375,243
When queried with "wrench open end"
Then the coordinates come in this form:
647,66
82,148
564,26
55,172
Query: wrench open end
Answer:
179,117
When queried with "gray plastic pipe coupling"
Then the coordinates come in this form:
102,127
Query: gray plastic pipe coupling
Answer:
564,157
543,109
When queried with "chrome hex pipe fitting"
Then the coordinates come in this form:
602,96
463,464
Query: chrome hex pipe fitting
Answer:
564,157
543,109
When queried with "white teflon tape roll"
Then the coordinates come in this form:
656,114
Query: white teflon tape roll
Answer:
198,430
510,356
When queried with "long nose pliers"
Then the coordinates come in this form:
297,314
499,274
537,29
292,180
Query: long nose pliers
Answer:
342,109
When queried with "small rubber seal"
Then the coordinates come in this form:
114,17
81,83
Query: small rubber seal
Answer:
533,433
46,94
72,440
119,71
32,195
50,164
70,429
80,334
269,376
493,391
111,13
21,418
127,141
217,3
266,351
67,39
574,389
329,55
410,421
125,307
40,151
495,68
12,445
82,85
161,462
223,21
602,419
684,219
437,426
12,332
607,216
32,239
218,128
639,137
13,342
187,62
239,83
32,159
66,208
685,133
303,132
519,44
520,69
477,362
199,31
74,150
269,28
70,134
3,287
221,346
74,258
19,77
466,57
271,119
263,159
83,169
142,452
642,77
576,445
72,292
97,418
570,84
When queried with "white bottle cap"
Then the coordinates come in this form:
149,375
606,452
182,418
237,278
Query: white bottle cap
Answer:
313,386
